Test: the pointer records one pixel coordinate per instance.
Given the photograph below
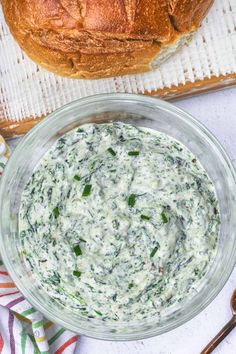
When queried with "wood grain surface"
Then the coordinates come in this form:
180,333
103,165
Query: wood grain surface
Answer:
11,128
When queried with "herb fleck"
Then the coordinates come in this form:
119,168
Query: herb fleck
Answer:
130,285
76,273
131,200
196,271
77,178
111,151
154,251
164,218
56,212
77,250
98,313
133,153
145,217
87,190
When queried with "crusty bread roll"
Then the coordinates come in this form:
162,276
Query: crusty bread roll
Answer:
93,39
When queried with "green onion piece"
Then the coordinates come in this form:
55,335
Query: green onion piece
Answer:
56,212
133,153
131,200
87,190
145,217
77,178
77,250
76,273
164,218
111,151
130,285
98,312
154,251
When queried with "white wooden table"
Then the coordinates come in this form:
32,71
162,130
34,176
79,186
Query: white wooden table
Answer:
218,112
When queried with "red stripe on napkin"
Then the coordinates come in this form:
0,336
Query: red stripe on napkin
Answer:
66,345
1,343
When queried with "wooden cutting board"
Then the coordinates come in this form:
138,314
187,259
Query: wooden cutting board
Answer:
28,93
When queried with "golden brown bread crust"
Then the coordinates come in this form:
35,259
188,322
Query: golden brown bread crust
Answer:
100,38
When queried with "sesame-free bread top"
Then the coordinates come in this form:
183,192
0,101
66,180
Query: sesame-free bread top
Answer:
100,38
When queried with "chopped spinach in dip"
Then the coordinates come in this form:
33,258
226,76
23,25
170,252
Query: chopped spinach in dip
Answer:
118,222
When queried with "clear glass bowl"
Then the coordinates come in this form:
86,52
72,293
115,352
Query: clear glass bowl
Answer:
137,110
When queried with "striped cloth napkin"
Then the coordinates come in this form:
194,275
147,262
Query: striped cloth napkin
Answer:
23,330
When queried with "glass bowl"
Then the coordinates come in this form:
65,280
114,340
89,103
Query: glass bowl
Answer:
141,111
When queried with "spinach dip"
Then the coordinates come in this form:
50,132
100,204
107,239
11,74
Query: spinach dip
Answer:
118,222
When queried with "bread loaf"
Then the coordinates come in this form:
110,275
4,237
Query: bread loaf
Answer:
93,39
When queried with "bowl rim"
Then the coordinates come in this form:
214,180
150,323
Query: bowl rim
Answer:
159,104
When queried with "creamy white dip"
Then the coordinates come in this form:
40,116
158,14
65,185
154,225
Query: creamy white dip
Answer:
118,222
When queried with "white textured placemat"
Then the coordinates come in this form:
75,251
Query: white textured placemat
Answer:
29,91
